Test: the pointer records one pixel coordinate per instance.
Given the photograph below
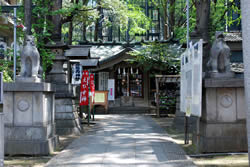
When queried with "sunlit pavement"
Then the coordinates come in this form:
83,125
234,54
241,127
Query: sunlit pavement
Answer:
123,141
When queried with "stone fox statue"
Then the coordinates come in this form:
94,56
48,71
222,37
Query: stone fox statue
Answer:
220,56
30,58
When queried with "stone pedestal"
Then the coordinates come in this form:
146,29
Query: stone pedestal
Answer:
1,138
221,75
223,122
66,117
29,110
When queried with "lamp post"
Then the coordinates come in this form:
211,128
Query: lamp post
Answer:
245,5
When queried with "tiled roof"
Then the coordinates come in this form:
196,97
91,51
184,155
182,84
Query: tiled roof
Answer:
233,37
237,67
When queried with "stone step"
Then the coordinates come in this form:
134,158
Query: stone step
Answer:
128,110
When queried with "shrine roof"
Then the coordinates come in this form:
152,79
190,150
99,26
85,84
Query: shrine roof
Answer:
107,53
89,62
233,37
78,52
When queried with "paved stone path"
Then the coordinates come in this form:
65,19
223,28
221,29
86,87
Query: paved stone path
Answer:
123,141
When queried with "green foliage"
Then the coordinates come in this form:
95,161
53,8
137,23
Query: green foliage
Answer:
155,55
6,65
41,29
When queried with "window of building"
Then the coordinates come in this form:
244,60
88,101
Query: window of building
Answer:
103,80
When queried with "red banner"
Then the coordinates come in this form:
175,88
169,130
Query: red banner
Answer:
92,86
84,94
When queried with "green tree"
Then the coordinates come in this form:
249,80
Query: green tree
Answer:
159,56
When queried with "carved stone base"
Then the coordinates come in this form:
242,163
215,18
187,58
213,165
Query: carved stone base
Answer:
28,79
29,117
221,75
222,125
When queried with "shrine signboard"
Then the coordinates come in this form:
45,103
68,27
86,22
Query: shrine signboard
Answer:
191,80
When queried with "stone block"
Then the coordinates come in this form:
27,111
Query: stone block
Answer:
241,104
64,101
60,108
17,147
39,109
8,108
66,116
1,139
67,131
207,145
63,88
28,79
226,104
230,144
25,133
49,100
66,123
69,108
222,130
51,131
23,109
222,137
56,77
210,112
29,87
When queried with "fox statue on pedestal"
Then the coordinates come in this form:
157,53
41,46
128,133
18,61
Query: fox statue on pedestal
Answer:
30,58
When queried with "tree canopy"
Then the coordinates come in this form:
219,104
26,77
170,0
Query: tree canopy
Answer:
124,20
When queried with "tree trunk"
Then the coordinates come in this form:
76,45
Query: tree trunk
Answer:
202,18
96,31
56,20
172,17
165,20
202,28
70,32
84,32
28,15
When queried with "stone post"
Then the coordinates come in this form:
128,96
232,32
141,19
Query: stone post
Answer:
1,136
245,5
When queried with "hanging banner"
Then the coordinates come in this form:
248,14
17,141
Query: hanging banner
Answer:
92,87
191,80
111,88
76,74
84,93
